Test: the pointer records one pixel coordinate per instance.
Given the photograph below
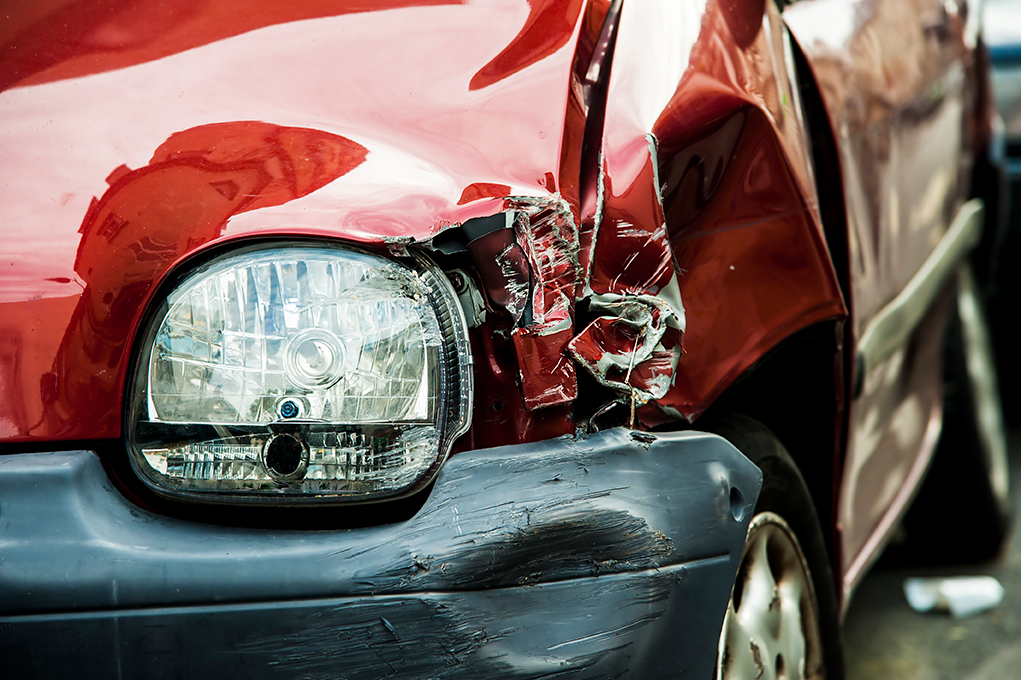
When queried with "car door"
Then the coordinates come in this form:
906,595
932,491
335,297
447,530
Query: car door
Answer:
892,77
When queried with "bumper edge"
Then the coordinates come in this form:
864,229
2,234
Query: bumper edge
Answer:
578,557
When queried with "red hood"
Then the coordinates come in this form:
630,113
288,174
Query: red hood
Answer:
126,151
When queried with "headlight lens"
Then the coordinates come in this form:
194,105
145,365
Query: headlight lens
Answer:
301,372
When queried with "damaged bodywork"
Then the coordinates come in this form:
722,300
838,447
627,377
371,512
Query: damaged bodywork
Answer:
636,335
526,561
411,318
578,255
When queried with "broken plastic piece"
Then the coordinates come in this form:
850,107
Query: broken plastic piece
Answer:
962,596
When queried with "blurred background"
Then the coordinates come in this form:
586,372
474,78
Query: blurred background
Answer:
884,637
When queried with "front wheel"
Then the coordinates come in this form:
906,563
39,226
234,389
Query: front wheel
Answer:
782,620
771,629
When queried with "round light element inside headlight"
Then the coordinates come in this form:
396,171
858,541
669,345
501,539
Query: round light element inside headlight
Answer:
301,372
314,358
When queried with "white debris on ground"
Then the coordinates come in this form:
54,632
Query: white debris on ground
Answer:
962,596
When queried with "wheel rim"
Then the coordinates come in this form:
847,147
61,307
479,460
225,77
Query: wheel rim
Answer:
771,630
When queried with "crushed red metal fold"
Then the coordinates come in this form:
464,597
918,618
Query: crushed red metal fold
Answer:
634,346
626,273
547,232
534,274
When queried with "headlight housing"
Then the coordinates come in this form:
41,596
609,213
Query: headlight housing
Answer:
301,372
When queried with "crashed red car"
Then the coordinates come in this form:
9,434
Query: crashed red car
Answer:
514,339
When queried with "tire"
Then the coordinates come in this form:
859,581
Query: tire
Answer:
962,512
783,619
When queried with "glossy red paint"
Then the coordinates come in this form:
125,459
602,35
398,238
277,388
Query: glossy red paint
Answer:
548,28
60,39
153,216
113,108
739,217
631,252
756,264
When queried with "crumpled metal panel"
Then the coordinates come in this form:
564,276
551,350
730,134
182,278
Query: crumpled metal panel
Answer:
504,269
548,232
630,259
634,346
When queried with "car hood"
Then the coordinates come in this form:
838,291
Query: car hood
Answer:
127,149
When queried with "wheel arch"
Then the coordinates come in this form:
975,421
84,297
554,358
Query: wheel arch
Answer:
795,391
800,387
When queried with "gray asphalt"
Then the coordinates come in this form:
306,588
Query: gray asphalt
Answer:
884,638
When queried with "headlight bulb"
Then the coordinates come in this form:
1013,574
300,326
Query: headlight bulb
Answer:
314,358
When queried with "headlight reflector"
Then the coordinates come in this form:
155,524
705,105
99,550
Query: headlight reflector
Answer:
301,372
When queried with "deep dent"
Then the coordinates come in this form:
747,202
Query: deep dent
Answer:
633,347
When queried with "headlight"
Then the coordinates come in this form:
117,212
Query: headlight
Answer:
301,372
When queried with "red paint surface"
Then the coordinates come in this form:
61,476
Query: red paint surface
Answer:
548,28
500,417
738,203
396,85
632,249
150,218
755,262
57,39
548,376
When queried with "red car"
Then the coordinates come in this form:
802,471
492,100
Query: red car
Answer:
432,338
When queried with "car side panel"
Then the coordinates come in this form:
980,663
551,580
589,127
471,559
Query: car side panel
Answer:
892,77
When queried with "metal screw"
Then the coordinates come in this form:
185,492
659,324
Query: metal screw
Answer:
289,409
457,281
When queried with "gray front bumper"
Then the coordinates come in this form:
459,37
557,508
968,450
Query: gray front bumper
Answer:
609,556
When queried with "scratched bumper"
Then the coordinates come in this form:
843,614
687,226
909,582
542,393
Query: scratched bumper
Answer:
601,557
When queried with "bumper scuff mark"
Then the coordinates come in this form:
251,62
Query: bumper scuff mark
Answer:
574,555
